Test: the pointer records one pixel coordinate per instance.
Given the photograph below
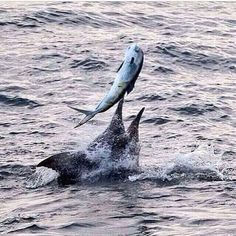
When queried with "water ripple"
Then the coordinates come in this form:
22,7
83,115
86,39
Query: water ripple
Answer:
89,64
59,53
18,101
156,121
178,54
195,109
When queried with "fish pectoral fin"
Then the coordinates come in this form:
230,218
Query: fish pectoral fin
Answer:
130,87
86,112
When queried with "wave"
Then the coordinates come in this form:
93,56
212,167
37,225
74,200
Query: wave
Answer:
179,54
18,101
151,97
16,169
64,17
164,70
89,64
28,228
195,109
71,18
156,121
12,88
74,225
18,218
207,222
13,175
51,56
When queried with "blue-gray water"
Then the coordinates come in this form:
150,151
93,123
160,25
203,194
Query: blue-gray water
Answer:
64,53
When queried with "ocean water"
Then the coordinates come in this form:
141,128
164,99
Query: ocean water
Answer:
55,54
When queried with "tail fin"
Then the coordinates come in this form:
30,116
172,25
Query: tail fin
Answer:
86,118
86,112
89,115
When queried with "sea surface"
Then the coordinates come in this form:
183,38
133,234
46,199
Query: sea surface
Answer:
55,54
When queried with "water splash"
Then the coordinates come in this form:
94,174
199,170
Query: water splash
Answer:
109,167
202,164
41,177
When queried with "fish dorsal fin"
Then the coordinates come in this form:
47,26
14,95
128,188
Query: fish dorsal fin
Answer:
120,66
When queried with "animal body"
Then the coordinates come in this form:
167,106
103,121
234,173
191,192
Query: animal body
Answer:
106,156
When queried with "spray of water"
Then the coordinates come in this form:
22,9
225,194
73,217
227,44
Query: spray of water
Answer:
42,177
202,163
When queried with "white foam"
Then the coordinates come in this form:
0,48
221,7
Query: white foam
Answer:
42,177
108,165
202,161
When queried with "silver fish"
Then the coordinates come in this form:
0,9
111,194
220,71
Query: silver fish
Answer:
126,77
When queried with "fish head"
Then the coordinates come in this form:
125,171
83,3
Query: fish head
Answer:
134,56
131,66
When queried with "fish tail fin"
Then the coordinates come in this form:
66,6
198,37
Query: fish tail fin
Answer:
86,112
86,119
88,115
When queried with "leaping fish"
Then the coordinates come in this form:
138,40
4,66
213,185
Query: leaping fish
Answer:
126,77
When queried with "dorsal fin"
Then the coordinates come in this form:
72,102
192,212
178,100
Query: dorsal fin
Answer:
116,124
116,127
133,128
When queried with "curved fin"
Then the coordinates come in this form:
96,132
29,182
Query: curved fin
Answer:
86,119
116,127
89,115
54,161
133,128
116,123
86,112
119,108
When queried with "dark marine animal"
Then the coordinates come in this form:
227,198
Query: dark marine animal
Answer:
106,157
